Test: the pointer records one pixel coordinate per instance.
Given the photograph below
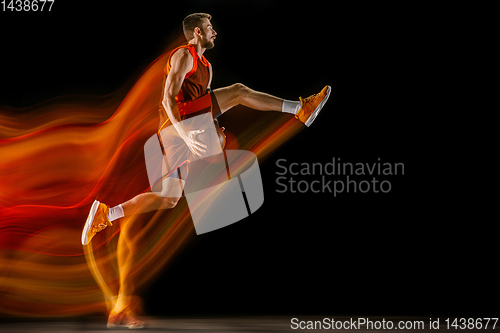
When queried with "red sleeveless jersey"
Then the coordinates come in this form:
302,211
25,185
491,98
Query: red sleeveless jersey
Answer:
196,81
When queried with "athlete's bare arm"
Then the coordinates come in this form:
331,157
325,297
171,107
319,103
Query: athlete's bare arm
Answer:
181,63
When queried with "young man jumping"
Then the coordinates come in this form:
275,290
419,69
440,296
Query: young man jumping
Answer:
186,91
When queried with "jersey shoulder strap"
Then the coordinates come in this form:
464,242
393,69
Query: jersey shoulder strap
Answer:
191,50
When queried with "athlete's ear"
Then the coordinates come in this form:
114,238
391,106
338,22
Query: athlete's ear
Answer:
197,31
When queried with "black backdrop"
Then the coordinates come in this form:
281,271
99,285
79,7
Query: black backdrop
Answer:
424,248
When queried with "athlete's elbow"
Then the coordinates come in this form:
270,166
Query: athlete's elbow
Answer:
169,103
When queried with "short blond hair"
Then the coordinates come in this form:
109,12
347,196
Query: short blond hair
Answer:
192,21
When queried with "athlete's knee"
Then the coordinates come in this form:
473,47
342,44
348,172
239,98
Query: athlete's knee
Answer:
241,90
171,187
169,202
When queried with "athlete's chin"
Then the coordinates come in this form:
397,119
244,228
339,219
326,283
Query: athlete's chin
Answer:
208,44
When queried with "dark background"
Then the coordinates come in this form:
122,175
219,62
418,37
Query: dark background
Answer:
425,248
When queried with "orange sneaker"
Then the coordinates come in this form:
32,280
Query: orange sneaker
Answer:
125,319
311,106
96,221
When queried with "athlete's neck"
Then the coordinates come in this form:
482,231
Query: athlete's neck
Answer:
197,46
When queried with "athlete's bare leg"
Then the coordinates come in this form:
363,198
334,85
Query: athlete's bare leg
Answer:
238,93
127,241
125,250
148,202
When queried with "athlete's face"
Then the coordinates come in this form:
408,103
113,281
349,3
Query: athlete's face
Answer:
207,34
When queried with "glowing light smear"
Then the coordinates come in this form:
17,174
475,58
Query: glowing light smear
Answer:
56,159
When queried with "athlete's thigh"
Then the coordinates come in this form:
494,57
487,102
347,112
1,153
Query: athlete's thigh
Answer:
227,97
172,187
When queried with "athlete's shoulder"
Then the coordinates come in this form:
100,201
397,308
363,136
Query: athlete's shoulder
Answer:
181,53
180,57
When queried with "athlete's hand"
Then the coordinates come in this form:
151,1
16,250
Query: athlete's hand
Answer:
194,145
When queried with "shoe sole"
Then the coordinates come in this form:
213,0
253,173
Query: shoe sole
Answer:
89,221
316,111
130,327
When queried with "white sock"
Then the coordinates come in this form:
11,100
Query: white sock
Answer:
115,213
290,106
